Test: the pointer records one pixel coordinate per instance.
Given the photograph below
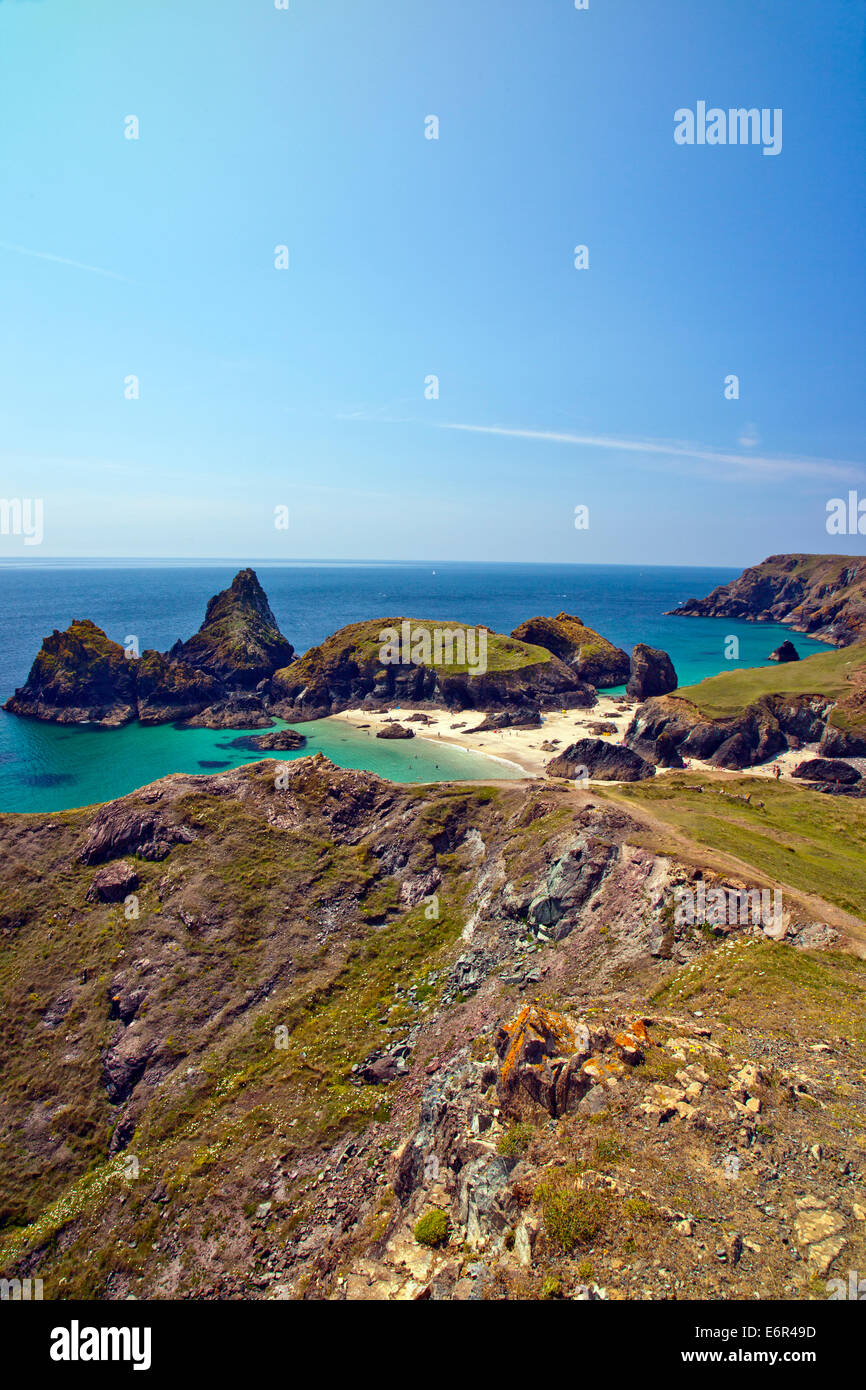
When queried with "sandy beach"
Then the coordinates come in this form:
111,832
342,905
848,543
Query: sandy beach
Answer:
532,749
520,747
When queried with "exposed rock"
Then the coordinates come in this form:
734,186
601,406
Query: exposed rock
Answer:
541,1055
112,883
121,827
239,711
393,730
529,718
787,652
652,673
280,739
735,753
821,594
594,658
239,641
826,770
79,676
603,761
167,691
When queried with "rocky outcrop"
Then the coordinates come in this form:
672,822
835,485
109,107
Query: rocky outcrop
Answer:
239,641
787,652
652,673
281,739
824,595
826,770
322,990
601,761
593,657
239,711
112,883
168,691
760,732
348,671
528,718
81,676
393,730
126,827
541,1055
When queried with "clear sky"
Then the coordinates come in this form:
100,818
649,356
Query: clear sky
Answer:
305,387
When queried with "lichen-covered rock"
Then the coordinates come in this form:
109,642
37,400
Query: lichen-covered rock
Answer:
541,1054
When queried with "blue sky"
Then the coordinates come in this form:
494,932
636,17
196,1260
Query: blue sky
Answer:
409,257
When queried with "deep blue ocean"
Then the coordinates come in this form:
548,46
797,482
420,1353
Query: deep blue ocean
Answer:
45,767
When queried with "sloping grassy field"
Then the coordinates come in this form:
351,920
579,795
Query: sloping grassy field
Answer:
811,842
827,673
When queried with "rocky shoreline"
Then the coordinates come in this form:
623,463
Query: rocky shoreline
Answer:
822,595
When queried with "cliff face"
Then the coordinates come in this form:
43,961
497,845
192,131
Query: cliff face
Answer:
318,1036
239,641
347,671
594,658
80,675
824,595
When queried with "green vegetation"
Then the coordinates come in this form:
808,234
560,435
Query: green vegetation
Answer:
359,645
516,1140
572,1215
799,838
783,993
432,1228
826,673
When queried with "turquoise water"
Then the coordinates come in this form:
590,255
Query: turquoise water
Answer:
62,766
46,767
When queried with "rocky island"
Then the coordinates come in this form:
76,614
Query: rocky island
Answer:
80,675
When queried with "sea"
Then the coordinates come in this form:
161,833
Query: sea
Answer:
48,767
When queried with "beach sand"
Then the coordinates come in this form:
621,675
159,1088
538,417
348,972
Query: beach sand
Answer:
522,748
519,747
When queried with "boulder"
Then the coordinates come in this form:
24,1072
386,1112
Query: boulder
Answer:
826,770
541,1055
599,759
652,673
112,883
787,652
395,731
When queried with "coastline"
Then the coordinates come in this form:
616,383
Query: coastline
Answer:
519,748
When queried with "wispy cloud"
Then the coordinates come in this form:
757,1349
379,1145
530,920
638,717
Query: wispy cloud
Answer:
64,260
750,463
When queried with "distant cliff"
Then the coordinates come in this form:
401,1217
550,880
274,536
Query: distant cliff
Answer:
824,595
